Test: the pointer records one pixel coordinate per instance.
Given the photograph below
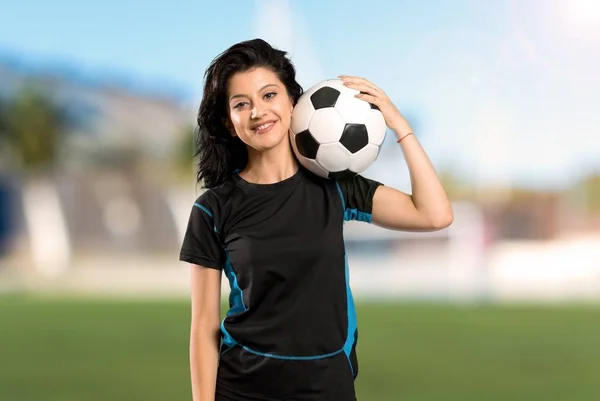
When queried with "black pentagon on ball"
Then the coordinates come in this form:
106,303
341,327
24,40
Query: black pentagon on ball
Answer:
307,144
342,175
355,137
324,97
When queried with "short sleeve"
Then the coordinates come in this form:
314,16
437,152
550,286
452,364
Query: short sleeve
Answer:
357,197
201,243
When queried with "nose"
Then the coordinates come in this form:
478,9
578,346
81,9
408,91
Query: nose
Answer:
257,111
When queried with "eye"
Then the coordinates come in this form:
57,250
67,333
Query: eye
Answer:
270,95
239,105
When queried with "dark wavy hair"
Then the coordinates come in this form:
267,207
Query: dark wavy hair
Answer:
219,153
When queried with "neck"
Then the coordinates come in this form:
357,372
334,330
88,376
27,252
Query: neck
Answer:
270,167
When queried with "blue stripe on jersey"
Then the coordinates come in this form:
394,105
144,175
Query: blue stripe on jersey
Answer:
337,184
352,326
236,300
205,210
231,342
352,214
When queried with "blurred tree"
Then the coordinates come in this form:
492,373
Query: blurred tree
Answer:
31,125
3,124
592,185
2,121
455,188
586,194
183,157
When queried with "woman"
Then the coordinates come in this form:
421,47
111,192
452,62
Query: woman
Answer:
275,230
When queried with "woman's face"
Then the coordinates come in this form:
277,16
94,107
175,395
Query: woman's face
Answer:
260,108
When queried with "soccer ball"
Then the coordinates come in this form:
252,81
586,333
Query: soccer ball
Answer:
334,134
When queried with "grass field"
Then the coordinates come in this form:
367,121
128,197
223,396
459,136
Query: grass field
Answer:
76,350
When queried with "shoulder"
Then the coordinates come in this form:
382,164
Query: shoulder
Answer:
357,194
217,196
358,184
219,203
212,201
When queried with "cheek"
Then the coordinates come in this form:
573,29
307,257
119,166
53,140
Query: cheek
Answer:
285,112
236,119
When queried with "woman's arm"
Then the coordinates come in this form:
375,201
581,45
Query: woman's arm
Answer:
204,331
428,208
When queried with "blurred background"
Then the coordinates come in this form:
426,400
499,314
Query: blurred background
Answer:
97,107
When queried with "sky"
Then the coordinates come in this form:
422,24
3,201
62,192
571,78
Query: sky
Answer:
501,92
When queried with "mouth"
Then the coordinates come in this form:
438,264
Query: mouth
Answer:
264,127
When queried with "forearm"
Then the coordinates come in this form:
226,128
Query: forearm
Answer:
204,359
428,194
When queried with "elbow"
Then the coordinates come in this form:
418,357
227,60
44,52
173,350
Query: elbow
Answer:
442,220
210,325
204,336
205,327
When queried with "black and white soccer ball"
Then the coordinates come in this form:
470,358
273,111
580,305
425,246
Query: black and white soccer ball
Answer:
334,134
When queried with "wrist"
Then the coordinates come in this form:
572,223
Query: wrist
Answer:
401,138
402,130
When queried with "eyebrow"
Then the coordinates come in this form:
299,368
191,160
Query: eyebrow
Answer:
240,95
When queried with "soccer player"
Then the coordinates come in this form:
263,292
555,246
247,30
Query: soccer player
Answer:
275,230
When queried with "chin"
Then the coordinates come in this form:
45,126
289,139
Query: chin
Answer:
271,139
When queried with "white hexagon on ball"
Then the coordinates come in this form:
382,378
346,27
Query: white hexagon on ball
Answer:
352,110
304,109
339,85
334,157
326,125
315,167
302,114
362,159
376,127
292,137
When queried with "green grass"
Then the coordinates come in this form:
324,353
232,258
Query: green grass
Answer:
98,350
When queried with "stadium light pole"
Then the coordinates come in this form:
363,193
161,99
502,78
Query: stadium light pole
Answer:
287,31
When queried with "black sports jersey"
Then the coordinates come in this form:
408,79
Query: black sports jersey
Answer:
291,313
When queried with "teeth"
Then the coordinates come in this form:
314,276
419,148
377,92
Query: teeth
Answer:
263,126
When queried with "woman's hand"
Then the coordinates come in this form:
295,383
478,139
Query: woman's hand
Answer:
428,207
375,95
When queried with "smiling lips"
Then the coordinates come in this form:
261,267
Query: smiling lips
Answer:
264,127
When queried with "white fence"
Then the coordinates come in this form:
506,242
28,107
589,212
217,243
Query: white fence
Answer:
455,264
